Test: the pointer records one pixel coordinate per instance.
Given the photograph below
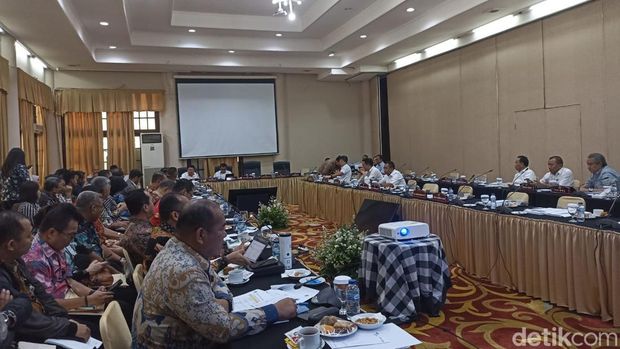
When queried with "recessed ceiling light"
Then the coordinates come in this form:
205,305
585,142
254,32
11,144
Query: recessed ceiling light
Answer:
363,36
105,24
410,9
1,30
278,34
231,51
112,47
191,30
331,54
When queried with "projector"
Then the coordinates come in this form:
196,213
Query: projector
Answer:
405,230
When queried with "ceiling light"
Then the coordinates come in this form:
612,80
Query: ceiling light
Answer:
112,47
105,24
407,60
191,30
278,34
410,9
497,26
231,51
363,36
1,30
292,16
441,47
332,54
285,8
551,6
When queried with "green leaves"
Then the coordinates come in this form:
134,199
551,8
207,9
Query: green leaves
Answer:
274,214
340,252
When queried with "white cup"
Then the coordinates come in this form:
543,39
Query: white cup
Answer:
597,212
310,338
235,276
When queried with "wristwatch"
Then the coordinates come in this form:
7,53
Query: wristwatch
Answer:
7,321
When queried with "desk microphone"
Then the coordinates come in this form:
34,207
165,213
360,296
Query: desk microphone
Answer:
447,173
475,176
519,176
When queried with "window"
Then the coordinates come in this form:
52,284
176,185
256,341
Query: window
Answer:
143,121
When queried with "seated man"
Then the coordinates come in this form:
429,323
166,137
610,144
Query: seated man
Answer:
133,182
524,173
191,173
370,174
170,207
343,174
393,178
172,173
156,179
184,303
86,240
48,319
602,174
222,173
46,260
110,214
183,187
327,167
13,313
138,232
558,175
51,189
378,163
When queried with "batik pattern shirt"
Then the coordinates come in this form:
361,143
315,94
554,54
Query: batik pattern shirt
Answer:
135,239
9,186
86,236
49,267
177,306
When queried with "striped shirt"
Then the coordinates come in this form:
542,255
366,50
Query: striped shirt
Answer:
28,210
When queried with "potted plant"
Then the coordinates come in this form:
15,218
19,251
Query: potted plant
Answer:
274,214
340,253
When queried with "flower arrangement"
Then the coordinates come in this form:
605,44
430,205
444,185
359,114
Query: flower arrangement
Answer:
340,253
274,214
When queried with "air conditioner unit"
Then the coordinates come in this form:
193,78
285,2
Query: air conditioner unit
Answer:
38,129
152,154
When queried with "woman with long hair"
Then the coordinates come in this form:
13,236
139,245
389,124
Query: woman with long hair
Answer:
12,175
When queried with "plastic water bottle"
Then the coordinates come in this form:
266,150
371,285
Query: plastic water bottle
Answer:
353,298
613,191
450,193
581,213
275,246
493,201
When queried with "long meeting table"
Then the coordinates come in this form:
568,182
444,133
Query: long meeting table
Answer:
572,265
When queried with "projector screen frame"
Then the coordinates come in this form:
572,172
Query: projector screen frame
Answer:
226,80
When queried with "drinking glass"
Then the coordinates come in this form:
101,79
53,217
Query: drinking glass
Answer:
485,200
572,210
341,293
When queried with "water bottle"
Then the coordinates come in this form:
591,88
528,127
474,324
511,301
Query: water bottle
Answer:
353,298
581,213
614,191
493,200
450,193
275,246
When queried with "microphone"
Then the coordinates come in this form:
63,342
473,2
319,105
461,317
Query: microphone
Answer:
475,176
519,176
447,173
423,172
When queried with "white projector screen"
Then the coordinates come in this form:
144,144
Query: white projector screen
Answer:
226,117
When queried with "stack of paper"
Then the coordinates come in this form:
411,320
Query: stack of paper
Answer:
548,211
70,344
260,298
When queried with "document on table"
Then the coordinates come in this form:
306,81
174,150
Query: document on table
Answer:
260,298
548,211
71,344
388,336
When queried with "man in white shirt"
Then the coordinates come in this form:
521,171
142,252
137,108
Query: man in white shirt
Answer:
393,177
191,173
524,173
344,173
558,175
222,173
370,174
379,164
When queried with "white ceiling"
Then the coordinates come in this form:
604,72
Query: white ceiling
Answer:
152,35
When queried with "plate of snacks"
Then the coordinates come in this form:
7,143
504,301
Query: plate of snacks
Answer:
335,327
368,321
296,273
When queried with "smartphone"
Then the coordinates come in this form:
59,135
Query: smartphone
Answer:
115,285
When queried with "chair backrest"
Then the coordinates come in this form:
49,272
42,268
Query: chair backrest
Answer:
282,167
576,184
181,171
465,190
454,175
138,277
518,196
115,333
250,167
128,264
431,187
412,183
565,200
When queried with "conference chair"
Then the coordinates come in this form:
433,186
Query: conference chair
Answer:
305,170
115,333
576,184
282,167
181,171
431,187
465,190
138,277
128,264
453,175
565,200
250,167
412,183
519,197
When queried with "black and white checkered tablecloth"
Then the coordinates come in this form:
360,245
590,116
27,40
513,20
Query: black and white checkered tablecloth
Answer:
405,275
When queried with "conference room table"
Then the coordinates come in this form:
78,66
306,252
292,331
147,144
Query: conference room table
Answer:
572,265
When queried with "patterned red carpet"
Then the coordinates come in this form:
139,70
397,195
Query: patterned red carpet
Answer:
478,314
